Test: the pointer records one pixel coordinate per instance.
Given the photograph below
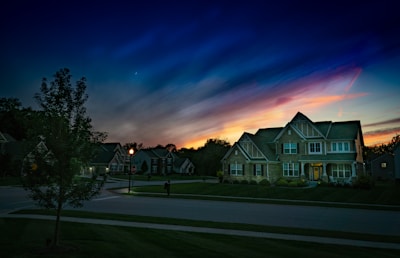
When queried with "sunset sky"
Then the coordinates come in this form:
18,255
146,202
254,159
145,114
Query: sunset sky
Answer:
182,72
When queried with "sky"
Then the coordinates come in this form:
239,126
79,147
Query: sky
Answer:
182,72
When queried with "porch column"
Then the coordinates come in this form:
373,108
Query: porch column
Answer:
302,170
324,174
324,169
353,169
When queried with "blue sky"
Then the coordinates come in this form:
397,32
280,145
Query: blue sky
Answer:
182,72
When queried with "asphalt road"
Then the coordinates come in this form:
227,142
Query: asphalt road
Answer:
312,217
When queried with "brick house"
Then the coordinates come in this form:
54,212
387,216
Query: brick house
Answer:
327,151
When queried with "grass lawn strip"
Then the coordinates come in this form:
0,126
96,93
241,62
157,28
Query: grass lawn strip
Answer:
219,225
26,237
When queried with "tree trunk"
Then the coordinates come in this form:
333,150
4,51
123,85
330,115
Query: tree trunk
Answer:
56,238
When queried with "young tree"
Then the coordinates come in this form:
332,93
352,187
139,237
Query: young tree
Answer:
52,171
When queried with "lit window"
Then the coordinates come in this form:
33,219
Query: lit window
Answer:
383,165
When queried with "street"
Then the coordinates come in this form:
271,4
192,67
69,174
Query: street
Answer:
312,217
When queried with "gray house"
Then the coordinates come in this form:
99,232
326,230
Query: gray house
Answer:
160,161
382,167
303,149
110,159
397,162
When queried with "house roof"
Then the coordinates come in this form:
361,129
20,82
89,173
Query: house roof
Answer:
265,139
105,153
262,144
5,137
344,130
156,152
330,157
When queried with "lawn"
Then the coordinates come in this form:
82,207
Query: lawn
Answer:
27,238
381,193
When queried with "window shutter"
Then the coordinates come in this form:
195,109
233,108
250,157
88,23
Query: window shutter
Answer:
262,170
254,169
298,148
229,169
243,168
282,148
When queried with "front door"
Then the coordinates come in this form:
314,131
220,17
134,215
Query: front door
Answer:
316,173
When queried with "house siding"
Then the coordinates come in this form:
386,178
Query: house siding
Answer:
309,153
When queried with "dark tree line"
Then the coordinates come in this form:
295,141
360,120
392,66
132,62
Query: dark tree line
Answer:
207,159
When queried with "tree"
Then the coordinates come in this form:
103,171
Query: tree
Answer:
68,143
207,159
14,119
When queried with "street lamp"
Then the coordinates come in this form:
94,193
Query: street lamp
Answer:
131,151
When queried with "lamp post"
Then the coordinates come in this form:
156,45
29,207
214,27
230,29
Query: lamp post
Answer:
131,151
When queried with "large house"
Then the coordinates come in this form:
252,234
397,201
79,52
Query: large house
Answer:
110,159
303,149
160,161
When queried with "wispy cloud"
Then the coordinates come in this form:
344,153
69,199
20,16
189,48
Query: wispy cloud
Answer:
385,122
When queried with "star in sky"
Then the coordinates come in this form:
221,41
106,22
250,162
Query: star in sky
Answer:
182,72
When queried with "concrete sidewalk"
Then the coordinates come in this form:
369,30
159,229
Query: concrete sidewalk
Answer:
232,232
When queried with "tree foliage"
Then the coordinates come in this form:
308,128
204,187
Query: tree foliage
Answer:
62,142
382,148
15,120
207,159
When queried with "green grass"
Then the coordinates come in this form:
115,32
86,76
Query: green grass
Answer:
26,238
381,194
221,225
8,181
162,178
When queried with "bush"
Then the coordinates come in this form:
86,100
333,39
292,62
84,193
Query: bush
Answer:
364,182
265,182
253,182
244,182
293,184
281,182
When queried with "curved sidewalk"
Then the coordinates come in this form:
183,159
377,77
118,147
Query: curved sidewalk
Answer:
232,232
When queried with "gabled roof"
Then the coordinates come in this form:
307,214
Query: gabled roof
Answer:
105,153
5,137
156,152
269,133
344,130
261,143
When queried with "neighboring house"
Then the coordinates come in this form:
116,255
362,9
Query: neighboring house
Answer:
328,151
382,167
12,154
160,161
396,153
110,158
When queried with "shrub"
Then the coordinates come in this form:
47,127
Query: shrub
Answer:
253,182
282,182
265,182
293,184
235,181
220,175
244,182
364,182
